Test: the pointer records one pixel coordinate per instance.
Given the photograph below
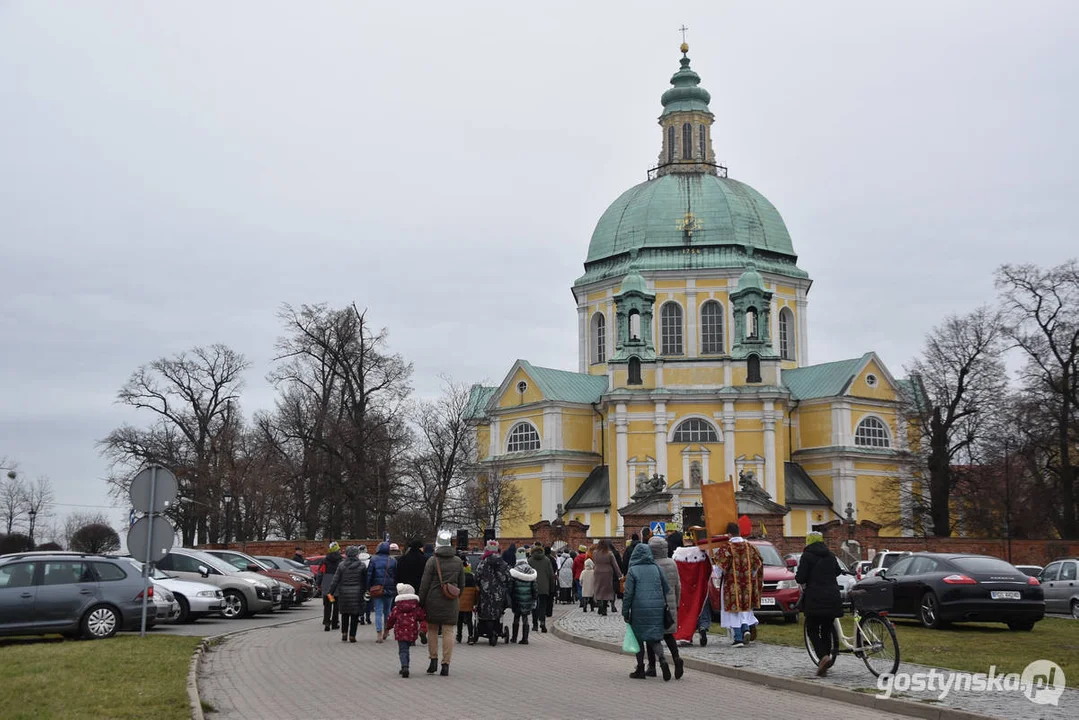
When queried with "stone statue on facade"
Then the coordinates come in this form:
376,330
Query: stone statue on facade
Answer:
747,480
650,485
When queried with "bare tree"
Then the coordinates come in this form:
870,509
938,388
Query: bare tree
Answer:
493,498
193,402
12,500
39,500
960,378
439,467
1042,307
77,520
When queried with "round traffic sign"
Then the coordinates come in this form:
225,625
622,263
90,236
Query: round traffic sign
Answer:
160,481
150,538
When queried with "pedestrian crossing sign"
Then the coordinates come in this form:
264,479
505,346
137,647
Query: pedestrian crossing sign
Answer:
659,528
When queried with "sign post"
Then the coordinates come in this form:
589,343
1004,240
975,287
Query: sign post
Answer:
152,491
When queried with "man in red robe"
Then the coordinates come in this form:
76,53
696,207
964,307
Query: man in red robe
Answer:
741,569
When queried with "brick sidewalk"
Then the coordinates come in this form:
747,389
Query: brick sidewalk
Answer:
848,672
299,671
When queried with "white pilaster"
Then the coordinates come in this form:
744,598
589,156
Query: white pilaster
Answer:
728,441
552,429
612,325
844,488
495,445
769,421
621,458
552,487
801,347
661,436
691,322
582,338
728,373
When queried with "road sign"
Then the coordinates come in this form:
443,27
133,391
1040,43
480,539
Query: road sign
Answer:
153,489
658,528
150,538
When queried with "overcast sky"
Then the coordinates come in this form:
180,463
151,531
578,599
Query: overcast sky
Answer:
170,173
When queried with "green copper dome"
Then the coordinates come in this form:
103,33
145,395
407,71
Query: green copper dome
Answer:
751,278
687,94
715,210
633,282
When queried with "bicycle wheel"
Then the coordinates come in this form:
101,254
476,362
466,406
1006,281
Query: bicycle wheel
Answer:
812,652
880,648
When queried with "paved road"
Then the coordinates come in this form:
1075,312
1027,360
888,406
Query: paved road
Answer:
207,626
299,671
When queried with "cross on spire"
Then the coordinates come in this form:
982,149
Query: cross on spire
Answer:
683,30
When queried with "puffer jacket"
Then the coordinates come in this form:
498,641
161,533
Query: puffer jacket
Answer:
328,569
645,596
545,582
407,618
523,590
493,579
588,579
382,570
348,586
670,573
410,567
440,609
817,571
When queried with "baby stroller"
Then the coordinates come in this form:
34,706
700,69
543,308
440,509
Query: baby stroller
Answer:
489,625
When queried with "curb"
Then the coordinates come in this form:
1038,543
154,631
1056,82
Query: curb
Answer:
804,687
194,700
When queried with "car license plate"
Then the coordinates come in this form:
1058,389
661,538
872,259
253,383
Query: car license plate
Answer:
768,601
1005,594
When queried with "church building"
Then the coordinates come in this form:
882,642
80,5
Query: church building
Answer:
693,364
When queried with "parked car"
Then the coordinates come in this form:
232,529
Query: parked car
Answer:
89,595
297,569
244,593
195,599
165,609
780,590
297,588
845,581
1030,570
1060,582
939,588
861,568
883,560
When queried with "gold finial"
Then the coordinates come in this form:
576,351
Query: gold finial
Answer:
685,46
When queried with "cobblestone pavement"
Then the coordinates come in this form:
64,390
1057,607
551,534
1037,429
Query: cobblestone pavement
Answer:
299,671
207,626
848,672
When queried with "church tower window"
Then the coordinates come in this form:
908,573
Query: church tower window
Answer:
523,436
687,141
671,329
786,334
871,432
670,144
634,325
751,323
702,145
753,369
634,372
599,338
712,328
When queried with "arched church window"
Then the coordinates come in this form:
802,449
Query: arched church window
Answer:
786,334
695,474
687,141
599,338
753,369
751,323
634,372
523,436
634,325
670,144
702,145
712,328
671,329
871,432
695,430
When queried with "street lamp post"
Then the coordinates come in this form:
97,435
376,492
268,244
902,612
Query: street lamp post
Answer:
228,503
33,516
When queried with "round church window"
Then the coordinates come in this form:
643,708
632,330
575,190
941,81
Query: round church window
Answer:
871,380
522,386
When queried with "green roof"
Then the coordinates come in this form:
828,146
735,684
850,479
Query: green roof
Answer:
594,492
478,397
633,282
566,386
800,488
727,213
686,95
821,381
750,278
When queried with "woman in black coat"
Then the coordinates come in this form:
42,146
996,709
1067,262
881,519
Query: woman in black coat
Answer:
348,587
821,601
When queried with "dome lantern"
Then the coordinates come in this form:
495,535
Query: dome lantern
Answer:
686,122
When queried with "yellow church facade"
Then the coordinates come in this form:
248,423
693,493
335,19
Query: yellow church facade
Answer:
693,365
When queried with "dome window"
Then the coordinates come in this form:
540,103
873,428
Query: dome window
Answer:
712,328
751,323
670,144
634,325
634,372
671,329
871,432
695,430
753,369
786,334
701,143
523,436
687,141
599,338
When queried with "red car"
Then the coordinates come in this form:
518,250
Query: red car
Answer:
780,590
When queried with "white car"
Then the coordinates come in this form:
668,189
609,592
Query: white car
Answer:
168,610
883,560
194,599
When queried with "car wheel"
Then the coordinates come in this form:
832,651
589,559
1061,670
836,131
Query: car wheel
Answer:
235,605
1075,609
1021,625
929,611
185,609
100,622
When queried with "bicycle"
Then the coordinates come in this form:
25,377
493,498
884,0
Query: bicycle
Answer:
874,641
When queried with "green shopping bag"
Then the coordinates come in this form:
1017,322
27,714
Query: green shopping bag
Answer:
629,643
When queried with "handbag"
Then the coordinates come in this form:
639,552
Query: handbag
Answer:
668,619
449,590
376,591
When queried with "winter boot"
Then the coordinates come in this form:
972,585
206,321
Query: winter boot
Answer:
679,668
326,627
638,674
666,669
543,627
432,666
404,671
651,671
524,635
445,669
516,625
